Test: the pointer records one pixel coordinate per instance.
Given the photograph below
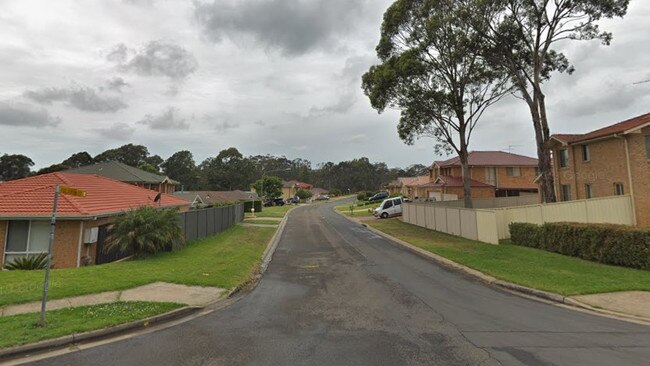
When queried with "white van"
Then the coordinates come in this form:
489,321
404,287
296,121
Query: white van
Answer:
389,207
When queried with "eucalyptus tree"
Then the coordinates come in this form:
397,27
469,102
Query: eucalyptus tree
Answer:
433,71
521,37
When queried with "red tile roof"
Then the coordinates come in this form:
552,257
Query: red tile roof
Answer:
34,196
409,181
448,181
491,158
301,185
618,128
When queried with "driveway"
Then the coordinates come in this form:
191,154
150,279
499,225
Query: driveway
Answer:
338,294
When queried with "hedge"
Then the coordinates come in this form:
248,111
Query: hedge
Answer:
610,244
249,204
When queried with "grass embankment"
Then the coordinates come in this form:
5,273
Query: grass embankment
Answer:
24,328
357,210
225,260
525,266
262,221
275,211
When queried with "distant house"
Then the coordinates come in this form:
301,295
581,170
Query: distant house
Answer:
291,187
509,174
128,174
492,174
612,160
82,223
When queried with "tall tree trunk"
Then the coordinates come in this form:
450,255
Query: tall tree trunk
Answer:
544,156
467,186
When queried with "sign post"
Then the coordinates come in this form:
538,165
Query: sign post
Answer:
58,190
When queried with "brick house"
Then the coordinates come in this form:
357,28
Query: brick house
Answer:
82,222
509,174
291,187
614,160
128,174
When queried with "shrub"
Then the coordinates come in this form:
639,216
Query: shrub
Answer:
609,244
28,263
303,195
335,192
526,234
146,230
249,204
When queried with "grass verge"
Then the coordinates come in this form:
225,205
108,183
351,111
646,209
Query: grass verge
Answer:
224,260
275,211
521,265
262,222
22,329
357,211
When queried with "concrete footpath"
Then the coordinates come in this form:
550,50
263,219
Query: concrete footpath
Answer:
629,305
153,292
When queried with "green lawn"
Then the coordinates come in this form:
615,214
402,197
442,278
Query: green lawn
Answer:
275,211
525,266
225,260
23,328
358,211
262,222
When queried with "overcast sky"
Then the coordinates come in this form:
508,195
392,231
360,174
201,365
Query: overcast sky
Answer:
266,76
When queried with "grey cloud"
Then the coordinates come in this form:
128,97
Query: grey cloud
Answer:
259,122
118,54
604,96
116,84
80,97
167,120
117,131
22,114
226,126
345,103
294,27
156,58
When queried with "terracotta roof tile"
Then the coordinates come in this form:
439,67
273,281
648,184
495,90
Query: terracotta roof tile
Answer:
448,181
34,196
618,128
491,158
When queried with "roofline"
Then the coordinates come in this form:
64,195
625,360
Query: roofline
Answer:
600,138
79,217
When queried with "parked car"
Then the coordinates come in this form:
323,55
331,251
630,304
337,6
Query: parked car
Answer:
274,202
379,196
389,208
322,197
293,200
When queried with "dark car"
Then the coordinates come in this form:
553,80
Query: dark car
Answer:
274,202
379,196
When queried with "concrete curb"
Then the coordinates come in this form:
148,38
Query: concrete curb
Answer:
26,349
17,351
512,287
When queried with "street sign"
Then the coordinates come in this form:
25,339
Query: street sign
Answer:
72,191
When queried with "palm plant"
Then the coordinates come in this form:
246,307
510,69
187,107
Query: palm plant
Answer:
146,230
33,262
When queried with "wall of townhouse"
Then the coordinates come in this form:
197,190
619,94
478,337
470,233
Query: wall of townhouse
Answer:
3,238
526,178
640,166
477,192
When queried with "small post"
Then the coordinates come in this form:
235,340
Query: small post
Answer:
46,284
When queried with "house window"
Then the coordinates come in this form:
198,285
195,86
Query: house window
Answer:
564,158
618,189
647,146
589,193
491,176
26,238
586,154
513,172
566,192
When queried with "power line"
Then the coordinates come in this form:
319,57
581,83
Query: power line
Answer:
641,82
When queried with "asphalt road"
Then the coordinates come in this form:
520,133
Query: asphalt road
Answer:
338,294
